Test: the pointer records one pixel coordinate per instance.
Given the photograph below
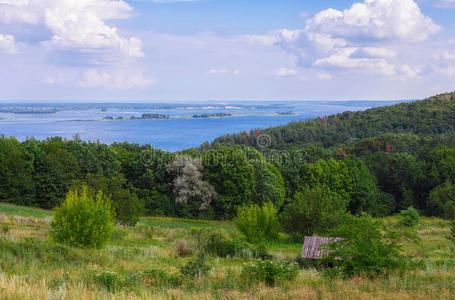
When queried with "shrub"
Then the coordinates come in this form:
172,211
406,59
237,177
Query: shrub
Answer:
109,280
270,272
258,223
409,217
451,234
314,210
368,248
182,248
128,207
195,267
160,278
83,221
218,243
441,201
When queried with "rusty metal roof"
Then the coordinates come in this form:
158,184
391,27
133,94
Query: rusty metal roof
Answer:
313,243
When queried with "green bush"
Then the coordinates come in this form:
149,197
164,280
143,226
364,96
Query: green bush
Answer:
409,217
316,210
258,224
269,272
195,267
218,243
368,248
158,277
451,234
83,221
109,280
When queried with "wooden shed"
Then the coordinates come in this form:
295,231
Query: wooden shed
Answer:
312,244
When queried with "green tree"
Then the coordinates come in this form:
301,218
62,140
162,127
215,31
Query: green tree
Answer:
16,184
441,202
232,176
127,206
313,211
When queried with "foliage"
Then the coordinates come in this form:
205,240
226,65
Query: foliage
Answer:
432,116
16,183
127,206
441,201
82,220
232,176
258,223
268,271
368,248
218,243
269,183
189,185
109,280
410,217
314,210
195,267
451,234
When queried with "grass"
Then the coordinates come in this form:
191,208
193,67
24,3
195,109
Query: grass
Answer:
14,210
32,267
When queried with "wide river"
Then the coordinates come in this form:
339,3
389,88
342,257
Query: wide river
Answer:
180,131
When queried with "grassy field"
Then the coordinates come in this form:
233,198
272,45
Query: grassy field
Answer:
32,267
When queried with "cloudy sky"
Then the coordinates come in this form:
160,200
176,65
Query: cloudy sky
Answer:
169,50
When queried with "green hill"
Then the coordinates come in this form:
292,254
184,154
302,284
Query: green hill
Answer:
434,116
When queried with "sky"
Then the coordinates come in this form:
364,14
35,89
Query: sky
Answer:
221,50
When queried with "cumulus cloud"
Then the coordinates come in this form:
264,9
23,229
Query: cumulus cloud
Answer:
377,19
7,44
76,25
115,79
359,38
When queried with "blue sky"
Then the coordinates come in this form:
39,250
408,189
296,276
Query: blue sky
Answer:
218,50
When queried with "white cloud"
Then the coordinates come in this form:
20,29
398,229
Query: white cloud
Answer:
115,79
343,58
363,38
76,25
377,19
7,44
284,72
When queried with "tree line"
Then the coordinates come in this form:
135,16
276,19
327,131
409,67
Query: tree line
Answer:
321,173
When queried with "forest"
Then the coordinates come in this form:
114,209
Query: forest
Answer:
378,161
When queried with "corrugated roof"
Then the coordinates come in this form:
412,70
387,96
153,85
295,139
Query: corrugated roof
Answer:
312,244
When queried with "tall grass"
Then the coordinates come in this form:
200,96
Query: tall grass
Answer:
142,263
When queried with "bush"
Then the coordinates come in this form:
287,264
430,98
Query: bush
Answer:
218,243
314,210
109,280
258,224
182,249
195,267
409,217
451,234
83,221
270,272
158,277
369,248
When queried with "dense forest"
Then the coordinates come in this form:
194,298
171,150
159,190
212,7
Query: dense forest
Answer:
378,161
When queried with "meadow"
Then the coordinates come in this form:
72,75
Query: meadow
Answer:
143,262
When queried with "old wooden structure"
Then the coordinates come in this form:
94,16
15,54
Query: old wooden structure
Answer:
312,246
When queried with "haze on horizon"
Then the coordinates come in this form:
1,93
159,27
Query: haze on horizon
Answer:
225,50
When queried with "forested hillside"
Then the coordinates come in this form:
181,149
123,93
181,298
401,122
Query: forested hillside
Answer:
379,161
431,117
